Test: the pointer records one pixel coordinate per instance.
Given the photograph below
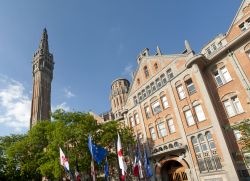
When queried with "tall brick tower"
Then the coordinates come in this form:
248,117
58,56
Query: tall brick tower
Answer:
42,69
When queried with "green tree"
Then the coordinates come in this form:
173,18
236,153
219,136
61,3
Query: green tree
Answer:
36,154
244,129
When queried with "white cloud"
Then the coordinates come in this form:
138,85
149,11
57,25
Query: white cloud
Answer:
128,70
68,93
15,104
63,106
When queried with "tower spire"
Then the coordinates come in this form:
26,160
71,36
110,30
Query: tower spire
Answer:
44,45
42,71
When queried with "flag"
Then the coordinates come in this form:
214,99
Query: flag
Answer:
64,160
122,164
137,163
98,153
77,174
106,169
147,166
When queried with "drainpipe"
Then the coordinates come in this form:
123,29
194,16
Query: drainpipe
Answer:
241,72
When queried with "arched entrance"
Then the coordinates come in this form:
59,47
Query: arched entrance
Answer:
173,170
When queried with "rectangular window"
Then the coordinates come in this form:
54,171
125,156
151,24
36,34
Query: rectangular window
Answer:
199,113
162,129
229,108
147,112
222,76
137,120
202,165
190,86
237,105
170,74
225,74
156,107
164,102
189,118
171,127
197,149
152,133
212,145
132,121
218,78
158,83
204,147
181,92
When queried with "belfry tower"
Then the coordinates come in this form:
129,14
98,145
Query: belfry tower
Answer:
42,69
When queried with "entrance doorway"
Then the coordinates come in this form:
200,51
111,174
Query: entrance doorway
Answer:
173,171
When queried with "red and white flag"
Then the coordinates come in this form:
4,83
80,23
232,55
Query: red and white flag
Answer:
122,164
64,160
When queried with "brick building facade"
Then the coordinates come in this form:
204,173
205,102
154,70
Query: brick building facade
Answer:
182,106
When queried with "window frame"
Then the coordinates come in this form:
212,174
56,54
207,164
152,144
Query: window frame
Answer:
190,84
181,92
159,129
164,102
223,75
189,123
171,126
151,127
156,109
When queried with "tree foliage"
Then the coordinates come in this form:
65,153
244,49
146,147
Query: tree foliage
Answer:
36,154
244,129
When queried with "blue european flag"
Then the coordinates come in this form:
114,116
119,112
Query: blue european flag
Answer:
98,153
106,169
147,165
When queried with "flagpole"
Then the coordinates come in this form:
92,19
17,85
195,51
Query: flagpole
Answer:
118,166
92,161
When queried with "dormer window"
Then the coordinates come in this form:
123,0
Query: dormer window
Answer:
146,73
208,51
213,46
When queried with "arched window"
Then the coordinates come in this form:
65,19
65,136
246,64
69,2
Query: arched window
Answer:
210,141
162,132
152,131
170,146
146,72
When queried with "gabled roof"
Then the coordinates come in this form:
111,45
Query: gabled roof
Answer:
239,13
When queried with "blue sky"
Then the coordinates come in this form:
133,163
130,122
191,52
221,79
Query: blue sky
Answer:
93,43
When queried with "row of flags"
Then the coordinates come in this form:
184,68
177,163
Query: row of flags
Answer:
99,153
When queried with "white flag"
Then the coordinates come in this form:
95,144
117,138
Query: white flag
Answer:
122,164
64,160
